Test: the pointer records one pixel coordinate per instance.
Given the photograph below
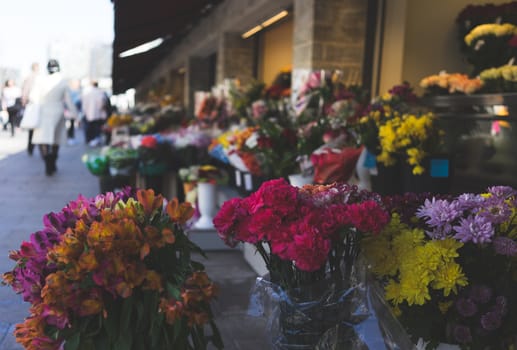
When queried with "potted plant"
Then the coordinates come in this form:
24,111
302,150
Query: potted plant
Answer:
114,272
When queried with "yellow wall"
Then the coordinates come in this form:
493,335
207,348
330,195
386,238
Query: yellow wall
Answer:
429,42
276,51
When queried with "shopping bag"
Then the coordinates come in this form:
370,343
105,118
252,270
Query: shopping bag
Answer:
30,119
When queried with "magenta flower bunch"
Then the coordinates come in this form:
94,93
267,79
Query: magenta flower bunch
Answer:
303,234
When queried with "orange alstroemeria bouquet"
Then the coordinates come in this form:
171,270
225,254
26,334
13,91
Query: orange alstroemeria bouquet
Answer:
114,272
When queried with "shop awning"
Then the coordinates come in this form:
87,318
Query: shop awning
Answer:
138,22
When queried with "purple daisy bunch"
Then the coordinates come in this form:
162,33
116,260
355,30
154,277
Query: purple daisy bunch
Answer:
505,246
439,214
474,228
495,209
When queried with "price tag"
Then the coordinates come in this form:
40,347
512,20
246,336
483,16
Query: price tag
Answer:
439,168
248,182
238,181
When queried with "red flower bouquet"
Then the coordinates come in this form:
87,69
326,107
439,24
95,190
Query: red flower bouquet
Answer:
306,230
309,240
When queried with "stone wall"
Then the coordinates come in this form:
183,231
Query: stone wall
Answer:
233,16
330,34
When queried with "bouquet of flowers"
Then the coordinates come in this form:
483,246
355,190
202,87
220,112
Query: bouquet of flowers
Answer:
122,161
117,120
392,130
309,240
213,110
274,147
445,83
201,173
473,15
114,272
154,154
500,79
243,98
448,268
488,45
398,100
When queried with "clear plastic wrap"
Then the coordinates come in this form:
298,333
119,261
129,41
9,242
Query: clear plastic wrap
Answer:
328,315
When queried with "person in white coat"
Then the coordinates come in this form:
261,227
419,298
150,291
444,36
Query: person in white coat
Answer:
52,95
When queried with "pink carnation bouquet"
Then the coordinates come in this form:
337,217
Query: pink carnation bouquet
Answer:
309,239
305,233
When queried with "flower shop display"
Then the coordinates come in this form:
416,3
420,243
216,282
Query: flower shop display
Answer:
326,109
154,155
405,143
474,15
212,109
200,186
500,79
309,240
448,267
488,45
450,83
122,161
114,272
243,97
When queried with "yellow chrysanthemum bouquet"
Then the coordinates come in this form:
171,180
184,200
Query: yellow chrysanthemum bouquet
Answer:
487,45
114,272
500,79
395,132
412,136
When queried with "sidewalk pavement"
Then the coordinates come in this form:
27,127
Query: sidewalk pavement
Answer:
26,194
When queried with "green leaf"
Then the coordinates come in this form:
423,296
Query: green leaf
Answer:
124,342
173,291
101,341
125,315
140,314
73,342
155,331
87,344
197,266
139,343
216,338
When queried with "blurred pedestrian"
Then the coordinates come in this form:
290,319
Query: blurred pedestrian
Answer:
75,93
53,94
12,103
95,115
27,88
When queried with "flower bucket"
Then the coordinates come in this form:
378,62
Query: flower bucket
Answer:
152,168
124,171
207,200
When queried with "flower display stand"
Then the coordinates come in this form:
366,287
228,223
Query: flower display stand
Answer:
208,239
206,201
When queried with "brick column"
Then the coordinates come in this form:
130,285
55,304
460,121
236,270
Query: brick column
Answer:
197,79
177,85
329,34
235,58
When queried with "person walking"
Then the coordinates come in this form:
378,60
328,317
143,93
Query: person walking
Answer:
75,94
53,94
94,109
11,102
27,88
